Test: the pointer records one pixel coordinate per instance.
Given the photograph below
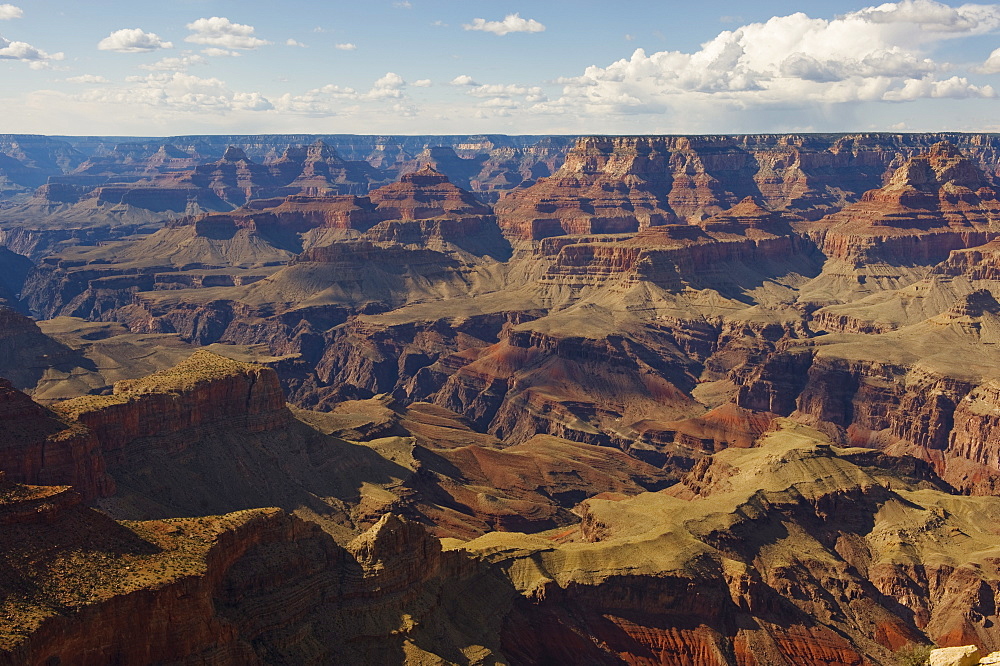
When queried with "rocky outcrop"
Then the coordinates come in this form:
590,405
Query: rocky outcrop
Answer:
206,390
613,185
40,447
605,186
765,535
675,257
317,170
934,203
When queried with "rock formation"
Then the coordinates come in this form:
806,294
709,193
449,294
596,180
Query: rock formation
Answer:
628,398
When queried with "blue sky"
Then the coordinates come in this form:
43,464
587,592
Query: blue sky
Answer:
469,66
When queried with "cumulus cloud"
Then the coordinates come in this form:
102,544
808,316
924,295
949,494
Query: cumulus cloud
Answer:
390,85
133,40
347,46
294,42
510,23
422,83
221,32
8,12
992,64
874,54
26,52
179,64
88,78
955,88
463,80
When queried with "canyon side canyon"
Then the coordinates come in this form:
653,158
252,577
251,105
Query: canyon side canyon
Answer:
342,399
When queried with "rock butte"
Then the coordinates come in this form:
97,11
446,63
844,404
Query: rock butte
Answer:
686,400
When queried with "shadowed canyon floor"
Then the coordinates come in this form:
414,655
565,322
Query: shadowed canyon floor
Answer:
687,400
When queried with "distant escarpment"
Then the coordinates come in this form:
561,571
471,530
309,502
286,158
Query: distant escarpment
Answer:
622,184
934,203
674,296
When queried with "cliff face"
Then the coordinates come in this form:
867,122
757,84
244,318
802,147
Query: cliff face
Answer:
84,438
245,588
614,185
205,390
605,186
934,203
39,447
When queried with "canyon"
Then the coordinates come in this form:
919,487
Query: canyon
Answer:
477,400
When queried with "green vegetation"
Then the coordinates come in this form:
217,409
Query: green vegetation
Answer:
914,654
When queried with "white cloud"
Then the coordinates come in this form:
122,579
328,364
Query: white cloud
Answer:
221,32
931,16
422,83
463,80
23,51
508,90
954,88
88,78
403,4
325,101
132,40
8,12
213,52
875,54
178,91
992,64
390,85
294,42
179,64
510,23
348,46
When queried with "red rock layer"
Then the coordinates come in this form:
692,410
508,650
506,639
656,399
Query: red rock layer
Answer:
981,262
934,203
605,186
255,587
203,391
904,410
672,256
40,448
581,389
425,194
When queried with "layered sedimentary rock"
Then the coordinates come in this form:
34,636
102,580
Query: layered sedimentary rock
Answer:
206,389
605,186
683,577
559,385
213,435
245,588
793,552
41,447
610,185
934,203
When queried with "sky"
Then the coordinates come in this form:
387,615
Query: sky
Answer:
127,68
